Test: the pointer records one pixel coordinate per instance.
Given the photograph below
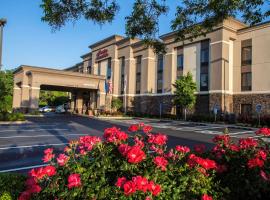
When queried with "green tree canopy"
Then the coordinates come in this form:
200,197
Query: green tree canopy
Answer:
192,18
6,91
53,98
185,89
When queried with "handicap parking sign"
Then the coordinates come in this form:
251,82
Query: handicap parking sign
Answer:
259,108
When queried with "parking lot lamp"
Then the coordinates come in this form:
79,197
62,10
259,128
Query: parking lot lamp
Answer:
2,24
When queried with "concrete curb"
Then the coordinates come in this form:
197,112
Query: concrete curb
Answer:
200,123
16,123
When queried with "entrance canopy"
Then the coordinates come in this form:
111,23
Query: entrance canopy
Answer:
29,80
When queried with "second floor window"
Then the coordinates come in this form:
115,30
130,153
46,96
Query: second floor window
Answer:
138,74
246,81
204,76
160,74
99,69
89,69
109,69
180,65
246,62
122,67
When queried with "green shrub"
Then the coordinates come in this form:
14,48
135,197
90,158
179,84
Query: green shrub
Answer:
6,196
12,117
11,185
117,104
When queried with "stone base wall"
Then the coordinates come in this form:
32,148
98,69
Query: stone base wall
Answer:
152,104
253,99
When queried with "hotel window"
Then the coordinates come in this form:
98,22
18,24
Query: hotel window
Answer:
246,62
246,81
89,69
180,62
138,74
204,66
160,74
99,69
109,69
122,67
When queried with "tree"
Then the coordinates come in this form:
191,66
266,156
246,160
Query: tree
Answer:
53,98
193,18
185,92
6,91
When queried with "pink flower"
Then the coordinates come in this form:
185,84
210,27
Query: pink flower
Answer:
135,155
133,128
159,139
262,154
74,180
123,149
26,195
199,148
62,159
155,189
129,188
147,129
255,162
182,149
34,189
161,162
264,175
49,170
48,155
139,142
114,135
263,131
206,197
246,143
141,183
120,181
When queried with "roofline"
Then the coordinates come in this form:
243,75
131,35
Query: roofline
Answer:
104,40
175,32
254,26
85,55
50,70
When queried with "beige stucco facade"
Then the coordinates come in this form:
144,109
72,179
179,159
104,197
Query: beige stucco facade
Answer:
215,61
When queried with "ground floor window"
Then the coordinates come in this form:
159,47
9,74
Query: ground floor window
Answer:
246,109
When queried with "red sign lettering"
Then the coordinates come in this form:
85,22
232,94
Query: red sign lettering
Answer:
102,54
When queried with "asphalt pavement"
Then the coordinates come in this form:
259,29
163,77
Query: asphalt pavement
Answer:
22,145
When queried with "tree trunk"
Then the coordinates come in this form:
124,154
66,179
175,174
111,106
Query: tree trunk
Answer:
185,114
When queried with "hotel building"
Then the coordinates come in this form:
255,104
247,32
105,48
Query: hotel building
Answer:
230,65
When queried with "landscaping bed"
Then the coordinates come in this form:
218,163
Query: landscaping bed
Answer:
138,165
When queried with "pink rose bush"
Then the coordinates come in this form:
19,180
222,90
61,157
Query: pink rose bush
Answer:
140,166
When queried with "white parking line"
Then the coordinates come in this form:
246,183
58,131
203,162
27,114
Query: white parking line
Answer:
22,168
45,129
241,133
32,146
30,136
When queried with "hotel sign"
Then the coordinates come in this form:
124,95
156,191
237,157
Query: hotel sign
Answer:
102,54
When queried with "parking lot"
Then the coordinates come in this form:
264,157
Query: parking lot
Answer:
22,145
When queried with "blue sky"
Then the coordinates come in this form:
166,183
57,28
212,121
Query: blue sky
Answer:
28,40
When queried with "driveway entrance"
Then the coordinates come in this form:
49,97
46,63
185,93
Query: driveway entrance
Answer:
87,91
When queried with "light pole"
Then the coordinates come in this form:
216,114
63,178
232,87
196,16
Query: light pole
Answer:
2,24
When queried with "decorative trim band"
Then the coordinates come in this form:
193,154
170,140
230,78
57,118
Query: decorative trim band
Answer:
221,41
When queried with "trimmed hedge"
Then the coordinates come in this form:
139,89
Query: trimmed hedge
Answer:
11,185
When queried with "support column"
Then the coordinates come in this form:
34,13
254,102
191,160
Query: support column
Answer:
34,98
101,95
17,96
79,102
25,97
